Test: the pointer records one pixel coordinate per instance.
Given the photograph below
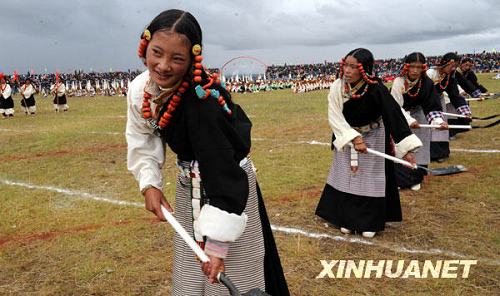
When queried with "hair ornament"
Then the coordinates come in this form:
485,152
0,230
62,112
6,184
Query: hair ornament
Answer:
196,49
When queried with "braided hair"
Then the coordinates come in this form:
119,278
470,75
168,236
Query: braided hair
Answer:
365,64
447,59
412,58
205,84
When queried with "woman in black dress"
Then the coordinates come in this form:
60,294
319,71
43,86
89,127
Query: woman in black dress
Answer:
361,192
176,102
415,93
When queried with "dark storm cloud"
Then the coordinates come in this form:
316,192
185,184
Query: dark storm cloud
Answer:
370,22
68,35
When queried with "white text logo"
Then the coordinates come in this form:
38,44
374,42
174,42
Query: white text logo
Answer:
446,269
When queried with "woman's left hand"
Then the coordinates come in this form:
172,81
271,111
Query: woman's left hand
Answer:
415,124
410,157
211,269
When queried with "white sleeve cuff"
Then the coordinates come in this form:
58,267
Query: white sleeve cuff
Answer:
216,248
149,177
437,120
406,145
410,120
347,136
219,225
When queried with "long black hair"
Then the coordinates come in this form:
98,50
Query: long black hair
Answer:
184,23
466,60
365,64
176,21
365,57
412,58
447,58
415,57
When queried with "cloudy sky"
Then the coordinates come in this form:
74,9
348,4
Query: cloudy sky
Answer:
101,34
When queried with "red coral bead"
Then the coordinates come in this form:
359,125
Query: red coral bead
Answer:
197,72
198,66
185,84
198,58
197,79
181,90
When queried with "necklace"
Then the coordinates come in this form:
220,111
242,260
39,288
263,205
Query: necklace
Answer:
351,92
160,100
441,86
409,85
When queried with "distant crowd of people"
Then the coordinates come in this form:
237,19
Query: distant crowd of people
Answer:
299,78
78,83
387,69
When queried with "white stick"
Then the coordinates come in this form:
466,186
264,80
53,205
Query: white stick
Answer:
389,157
453,115
185,236
449,126
474,99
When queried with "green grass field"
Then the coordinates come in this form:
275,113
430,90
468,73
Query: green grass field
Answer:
55,242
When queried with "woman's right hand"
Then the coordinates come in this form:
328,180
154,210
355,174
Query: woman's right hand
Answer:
154,199
415,124
359,144
443,126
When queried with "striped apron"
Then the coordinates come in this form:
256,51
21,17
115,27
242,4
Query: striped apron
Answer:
369,180
423,155
245,261
437,135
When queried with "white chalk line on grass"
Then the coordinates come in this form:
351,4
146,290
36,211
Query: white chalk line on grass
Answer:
76,194
89,132
105,133
287,230
42,131
475,150
379,244
314,142
14,130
